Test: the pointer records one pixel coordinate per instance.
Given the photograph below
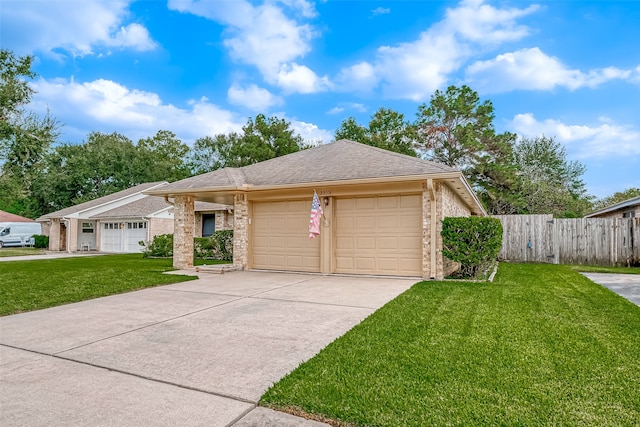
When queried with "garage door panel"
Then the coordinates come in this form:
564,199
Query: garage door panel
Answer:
285,227
362,204
344,263
388,264
388,243
365,264
344,243
366,243
364,222
385,238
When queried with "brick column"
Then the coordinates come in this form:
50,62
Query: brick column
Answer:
183,226
54,235
240,231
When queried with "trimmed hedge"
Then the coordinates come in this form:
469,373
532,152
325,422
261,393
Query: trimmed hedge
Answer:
41,241
474,242
161,246
219,246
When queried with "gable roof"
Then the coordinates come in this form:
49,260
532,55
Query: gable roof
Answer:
138,208
102,200
9,217
634,201
342,160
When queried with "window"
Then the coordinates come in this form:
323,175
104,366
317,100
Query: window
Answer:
629,214
5,232
136,225
208,224
87,227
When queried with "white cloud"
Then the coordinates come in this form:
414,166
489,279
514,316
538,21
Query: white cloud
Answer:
301,79
252,97
77,27
478,22
265,37
343,106
311,133
360,77
413,70
380,11
531,69
104,105
604,139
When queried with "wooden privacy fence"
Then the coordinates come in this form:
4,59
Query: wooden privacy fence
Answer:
587,241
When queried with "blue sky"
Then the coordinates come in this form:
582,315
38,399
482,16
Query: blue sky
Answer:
569,69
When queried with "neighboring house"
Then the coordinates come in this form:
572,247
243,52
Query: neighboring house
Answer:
627,209
382,211
9,217
119,221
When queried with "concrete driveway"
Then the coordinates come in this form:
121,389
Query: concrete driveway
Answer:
626,285
194,353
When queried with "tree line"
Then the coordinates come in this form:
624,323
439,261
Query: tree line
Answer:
511,175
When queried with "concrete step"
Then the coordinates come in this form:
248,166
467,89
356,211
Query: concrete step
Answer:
217,268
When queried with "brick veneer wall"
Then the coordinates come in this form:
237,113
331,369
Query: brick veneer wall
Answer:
240,231
184,223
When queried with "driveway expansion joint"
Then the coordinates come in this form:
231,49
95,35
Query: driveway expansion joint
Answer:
143,377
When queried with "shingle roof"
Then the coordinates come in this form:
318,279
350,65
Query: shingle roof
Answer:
9,217
634,201
101,200
138,208
338,161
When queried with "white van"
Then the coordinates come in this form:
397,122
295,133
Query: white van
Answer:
18,233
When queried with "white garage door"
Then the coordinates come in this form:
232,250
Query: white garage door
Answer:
134,233
281,237
111,237
379,235
123,236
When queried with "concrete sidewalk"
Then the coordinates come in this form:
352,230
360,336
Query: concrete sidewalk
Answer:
193,353
49,255
626,285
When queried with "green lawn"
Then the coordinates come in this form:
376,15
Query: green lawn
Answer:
10,251
32,285
541,345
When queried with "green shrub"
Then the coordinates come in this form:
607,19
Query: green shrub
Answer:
219,246
41,241
474,242
161,246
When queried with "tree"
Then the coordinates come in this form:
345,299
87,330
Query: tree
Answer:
387,129
456,129
77,173
261,139
617,197
548,182
161,157
25,137
211,153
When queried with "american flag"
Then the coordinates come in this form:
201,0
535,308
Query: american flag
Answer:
316,214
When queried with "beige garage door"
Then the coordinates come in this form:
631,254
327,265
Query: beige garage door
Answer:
379,235
281,237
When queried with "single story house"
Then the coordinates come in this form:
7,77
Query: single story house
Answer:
118,222
382,211
629,208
